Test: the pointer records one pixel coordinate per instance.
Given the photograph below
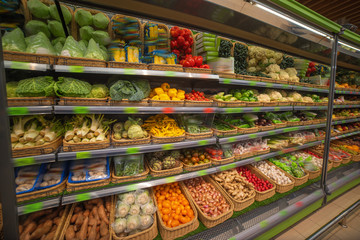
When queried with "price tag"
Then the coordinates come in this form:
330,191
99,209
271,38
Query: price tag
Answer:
24,161
264,224
202,173
170,74
129,71
227,167
34,207
256,109
232,238
231,139
170,179
254,135
283,213
233,110
299,204
290,129
269,84
131,187
81,110
277,109
208,110
76,69
131,110
257,159
15,111
271,132
203,142
83,155
166,147
252,83
308,108
168,110
132,150
82,197
20,65
227,80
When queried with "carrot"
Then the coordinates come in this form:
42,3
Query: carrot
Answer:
73,218
94,201
108,205
26,236
29,228
36,215
70,233
102,214
79,220
97,235
104,229
87,206
77,209
100,202
83,230
92,233
92,221
50,216
86,213
40,231
96,215
54,227
50,236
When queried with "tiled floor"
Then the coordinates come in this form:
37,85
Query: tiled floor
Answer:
311,224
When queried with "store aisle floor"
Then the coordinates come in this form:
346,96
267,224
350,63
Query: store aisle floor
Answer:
311,224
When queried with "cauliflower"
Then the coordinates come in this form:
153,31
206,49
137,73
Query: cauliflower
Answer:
278,56
283,93
251,52
294,79
273,68
264,61
274,95
291,71
252,62
296,97
258,68
308,99
264,98
274,76
251,69
283,75
269,53
259,54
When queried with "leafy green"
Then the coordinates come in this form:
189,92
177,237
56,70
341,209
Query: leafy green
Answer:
14,41
99,91
11,89
287,62
143,85
55,15
34,26
85,32
100,20
71,87
93,51
58,47
56,28
59,39
38,9
240,55
39,44
71,48
123,89
36,87
83,18
101,37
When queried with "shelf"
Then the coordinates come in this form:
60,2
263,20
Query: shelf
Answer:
254,109
302,108
310,89
347,92
345,135
130,71
135,149
26,66
346,106
345,121
29,110
37,206
32,160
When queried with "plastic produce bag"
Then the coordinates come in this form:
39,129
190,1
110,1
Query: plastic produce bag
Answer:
83,18
86,43
59,39
71,48
101,37
93,51
38,9
55,15
56,28
34,26
85,32
100,20
82,46
14,41
39,44
104,52
119,165
132,165
58,48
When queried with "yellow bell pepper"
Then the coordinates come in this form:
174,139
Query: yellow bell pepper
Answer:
155,97
165,87
159,91
181,96
175,99
164,97
172,92
181,91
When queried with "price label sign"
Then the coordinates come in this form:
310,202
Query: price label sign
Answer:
34,207
24,161
264,224
227,167
82,197
131,187
256,109
231,139
203,142
131,110
16,111
168,110
234,110
81,110
129,71
83,155
20,65
252,83
132,150
283,213
202,173
170,74
76,69
257,159
253,135
227,80
269,84
166,147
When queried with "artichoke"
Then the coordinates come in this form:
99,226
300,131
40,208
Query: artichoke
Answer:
169,162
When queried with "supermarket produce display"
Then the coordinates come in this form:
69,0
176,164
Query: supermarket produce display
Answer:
127,128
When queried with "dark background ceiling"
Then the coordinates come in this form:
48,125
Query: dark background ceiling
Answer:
340,11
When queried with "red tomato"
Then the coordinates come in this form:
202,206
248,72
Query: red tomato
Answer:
198,61
187,32
174,32
173,44
192,62
182,62
188,50
180,41
191,40
186,45
205,66
176,52
186,64
311,64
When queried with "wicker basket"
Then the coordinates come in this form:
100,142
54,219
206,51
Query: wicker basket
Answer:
74,147
164,103
229,104
222,133
309,122
76,101
192,168
248,130
222,161
302,180
253,104
30,101
225,75
137,177
127,65
243,156
29,57
270,104
126,102
266,128
238,205
336,163
261,196
43,193
355,158
330,166
291,124
181,230
264,79
196,136
261,152
165,67
73,187
76,61
189,103
37,150
198,70
167,172
313,174
126,142
284,103
211,221
280,125
282,81
155,139
346,160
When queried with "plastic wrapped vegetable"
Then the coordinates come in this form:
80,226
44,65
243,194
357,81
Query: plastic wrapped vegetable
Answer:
55,15
100,20
38,9
148,209
35,26
142,197
122,210
11,89
85,32
101,37
119,225
58,48
14,41
296,170
134,209
132,223
146,221
128,198
83,18
39,44
93,51
36,87
59,39
71,48
71,87
56,28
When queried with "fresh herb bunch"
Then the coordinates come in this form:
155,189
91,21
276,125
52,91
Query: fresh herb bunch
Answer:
225,48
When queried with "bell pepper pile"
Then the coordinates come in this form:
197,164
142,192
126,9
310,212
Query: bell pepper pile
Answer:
165,93
162,126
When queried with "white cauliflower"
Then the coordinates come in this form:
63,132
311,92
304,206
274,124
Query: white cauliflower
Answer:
264,61
294,79
274,76
252,62
272,60
278,56
291,71
264,98
308,99
258,68
260,53
273,68
283,75
283,93
269,53
296,96
251,51
251,69
274,95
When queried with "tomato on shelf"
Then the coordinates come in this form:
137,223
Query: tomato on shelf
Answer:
260,185
196,96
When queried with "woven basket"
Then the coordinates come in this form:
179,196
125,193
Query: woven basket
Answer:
355,158
270,104
280,188
160,26
291,124
76,101
211,221
128,65
261,196
126,142
165,67
228,104
284,103
29,57
126,102
336,163
282,81
221,133
73,187
37,150
309,122
264,79
181,230
192,168
222,161
346,160
243,156
330,166
30,101
266,128
298,104
302,180
254,104
155,139
137,177
280,125
261,152
189,103
225,75
198,70
247,130
167,172
238,205
166,103
47,192
74,147
76,61
196,136
313,174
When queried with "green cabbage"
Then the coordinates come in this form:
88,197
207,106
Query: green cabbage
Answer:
71,48
85,32
101,37
143,85
34,27
123,89
11,89
56,28
100,20
82,46
14,41
58,48
38,9
83,18
59,39
71,87
85,43
65,11
36,87
93,51
39,44
99,91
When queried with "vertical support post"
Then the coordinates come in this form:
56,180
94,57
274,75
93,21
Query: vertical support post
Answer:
7,176
329,116
58,7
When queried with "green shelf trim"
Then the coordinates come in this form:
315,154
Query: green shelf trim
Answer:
349,35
